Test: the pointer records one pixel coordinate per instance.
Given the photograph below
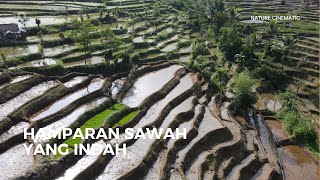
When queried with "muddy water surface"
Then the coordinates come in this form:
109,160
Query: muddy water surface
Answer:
298,164
15,162
74,81
16,79
89,61
95,85
277,130
148,84
11,105
16,51
170,47
84,162
57,50
39,63
54,128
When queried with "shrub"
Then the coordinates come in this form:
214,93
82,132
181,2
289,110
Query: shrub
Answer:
230,42
199,49
214,84
244,97
297,124
135,58
300,127
273,76
183,44
173,55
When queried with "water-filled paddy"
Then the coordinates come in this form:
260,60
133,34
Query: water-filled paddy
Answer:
95,85
16,51
15,162
298,163
54,128
91,60
148,84
16,80
39,63
74,81
11,105
83,163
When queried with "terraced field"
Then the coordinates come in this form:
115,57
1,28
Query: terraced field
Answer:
50,83
303,62
81,100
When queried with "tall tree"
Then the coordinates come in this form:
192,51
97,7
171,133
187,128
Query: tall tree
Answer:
83,36
286,44
271,28
38,22
230,42
111,42
251,42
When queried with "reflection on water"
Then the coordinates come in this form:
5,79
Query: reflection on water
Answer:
54,128
117,85
298,164
95,85
9,106
39,63
15,162
16,51
148,84
91,60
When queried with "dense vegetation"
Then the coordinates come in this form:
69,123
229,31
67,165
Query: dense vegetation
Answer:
264,52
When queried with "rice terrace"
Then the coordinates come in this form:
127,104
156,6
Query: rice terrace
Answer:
240,77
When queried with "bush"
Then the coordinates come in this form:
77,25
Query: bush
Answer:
173,55
199,49
300,127
271,75
135,58
22,59
214,84
230,42
244,97
297,124
183,44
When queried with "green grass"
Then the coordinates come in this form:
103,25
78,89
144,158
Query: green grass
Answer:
63,149
95,122
126,119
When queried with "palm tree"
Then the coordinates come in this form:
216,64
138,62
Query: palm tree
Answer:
272,28
251,42
286,45
233,12
38,22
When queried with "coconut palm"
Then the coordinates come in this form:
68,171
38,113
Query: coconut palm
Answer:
38,22
272,28
286,44
251,42
233,12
